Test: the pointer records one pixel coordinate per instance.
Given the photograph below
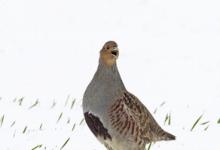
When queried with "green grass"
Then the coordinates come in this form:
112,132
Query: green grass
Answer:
204,123
2,120
60,116
41,125
24,130
72,104
20,101
74,125
67,100
218,121
196,122
81,121
35,104
13,123
206,128
149,146
64,144
167,119
53,105
162,104
36,147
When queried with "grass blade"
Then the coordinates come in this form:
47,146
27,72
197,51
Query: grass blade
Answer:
162,103
169,119
74,125
81,121
38,146
68,121
196,122
20,101
35,104
14,134
204,123
40,128
60,116
206,128
2,120
166,119
67,100
13,123
72,104
53,105
149,146
25,129
64,144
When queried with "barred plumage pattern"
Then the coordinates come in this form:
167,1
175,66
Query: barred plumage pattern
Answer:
131,119
126,117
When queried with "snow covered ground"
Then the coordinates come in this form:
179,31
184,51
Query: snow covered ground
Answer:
169,55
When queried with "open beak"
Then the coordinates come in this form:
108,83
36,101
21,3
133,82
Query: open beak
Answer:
115,52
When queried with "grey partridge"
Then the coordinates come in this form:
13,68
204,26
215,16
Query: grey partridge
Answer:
115,116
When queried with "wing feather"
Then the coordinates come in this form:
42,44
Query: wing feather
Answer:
132,119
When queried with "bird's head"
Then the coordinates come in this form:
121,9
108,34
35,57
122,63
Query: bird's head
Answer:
109,53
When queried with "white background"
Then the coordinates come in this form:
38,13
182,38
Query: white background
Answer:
49,49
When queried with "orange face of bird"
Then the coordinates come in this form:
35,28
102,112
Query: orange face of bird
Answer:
109,53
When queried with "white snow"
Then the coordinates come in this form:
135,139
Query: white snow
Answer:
49,49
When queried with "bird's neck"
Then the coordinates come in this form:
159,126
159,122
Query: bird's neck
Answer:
109,76
105,86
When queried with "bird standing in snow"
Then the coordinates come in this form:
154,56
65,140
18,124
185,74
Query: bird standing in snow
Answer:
115,116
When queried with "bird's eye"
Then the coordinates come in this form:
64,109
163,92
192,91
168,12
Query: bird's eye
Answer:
107,47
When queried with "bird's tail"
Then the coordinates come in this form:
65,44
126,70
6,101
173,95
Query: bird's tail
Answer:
163,135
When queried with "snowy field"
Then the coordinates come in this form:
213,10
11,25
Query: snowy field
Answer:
49,49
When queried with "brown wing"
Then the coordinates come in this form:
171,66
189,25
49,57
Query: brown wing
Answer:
96,126
132,119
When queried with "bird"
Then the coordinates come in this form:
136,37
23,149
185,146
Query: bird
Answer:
117,118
